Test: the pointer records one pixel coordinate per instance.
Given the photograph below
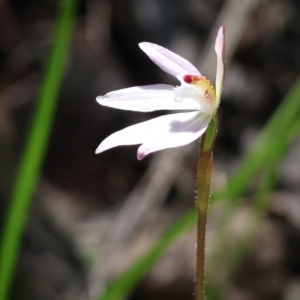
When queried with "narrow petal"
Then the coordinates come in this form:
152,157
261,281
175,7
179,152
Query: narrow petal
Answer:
168,61
147,98
151,130
220,50
182,133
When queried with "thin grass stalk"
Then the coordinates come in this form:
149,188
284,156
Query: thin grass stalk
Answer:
35,148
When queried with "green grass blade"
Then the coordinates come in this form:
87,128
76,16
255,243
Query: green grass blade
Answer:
122,285
258,210
35,147
261,202
268,176
269,147
275,132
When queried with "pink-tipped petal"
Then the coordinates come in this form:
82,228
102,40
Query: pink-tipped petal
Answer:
181,134
147,98
168,61
220,50
152,130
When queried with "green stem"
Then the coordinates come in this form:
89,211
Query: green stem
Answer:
35,148
204,176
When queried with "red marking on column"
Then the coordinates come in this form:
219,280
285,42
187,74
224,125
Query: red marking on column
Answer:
207,96
188,78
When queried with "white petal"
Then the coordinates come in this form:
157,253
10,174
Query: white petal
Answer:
220,50
147,98
168,61
151,130
181,133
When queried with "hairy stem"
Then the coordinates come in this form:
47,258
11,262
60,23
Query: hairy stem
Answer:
204,176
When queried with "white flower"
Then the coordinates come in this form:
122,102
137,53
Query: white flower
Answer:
195,93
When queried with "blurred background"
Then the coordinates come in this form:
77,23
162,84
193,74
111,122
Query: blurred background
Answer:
94,215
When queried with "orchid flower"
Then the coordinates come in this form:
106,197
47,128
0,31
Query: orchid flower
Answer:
195,94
